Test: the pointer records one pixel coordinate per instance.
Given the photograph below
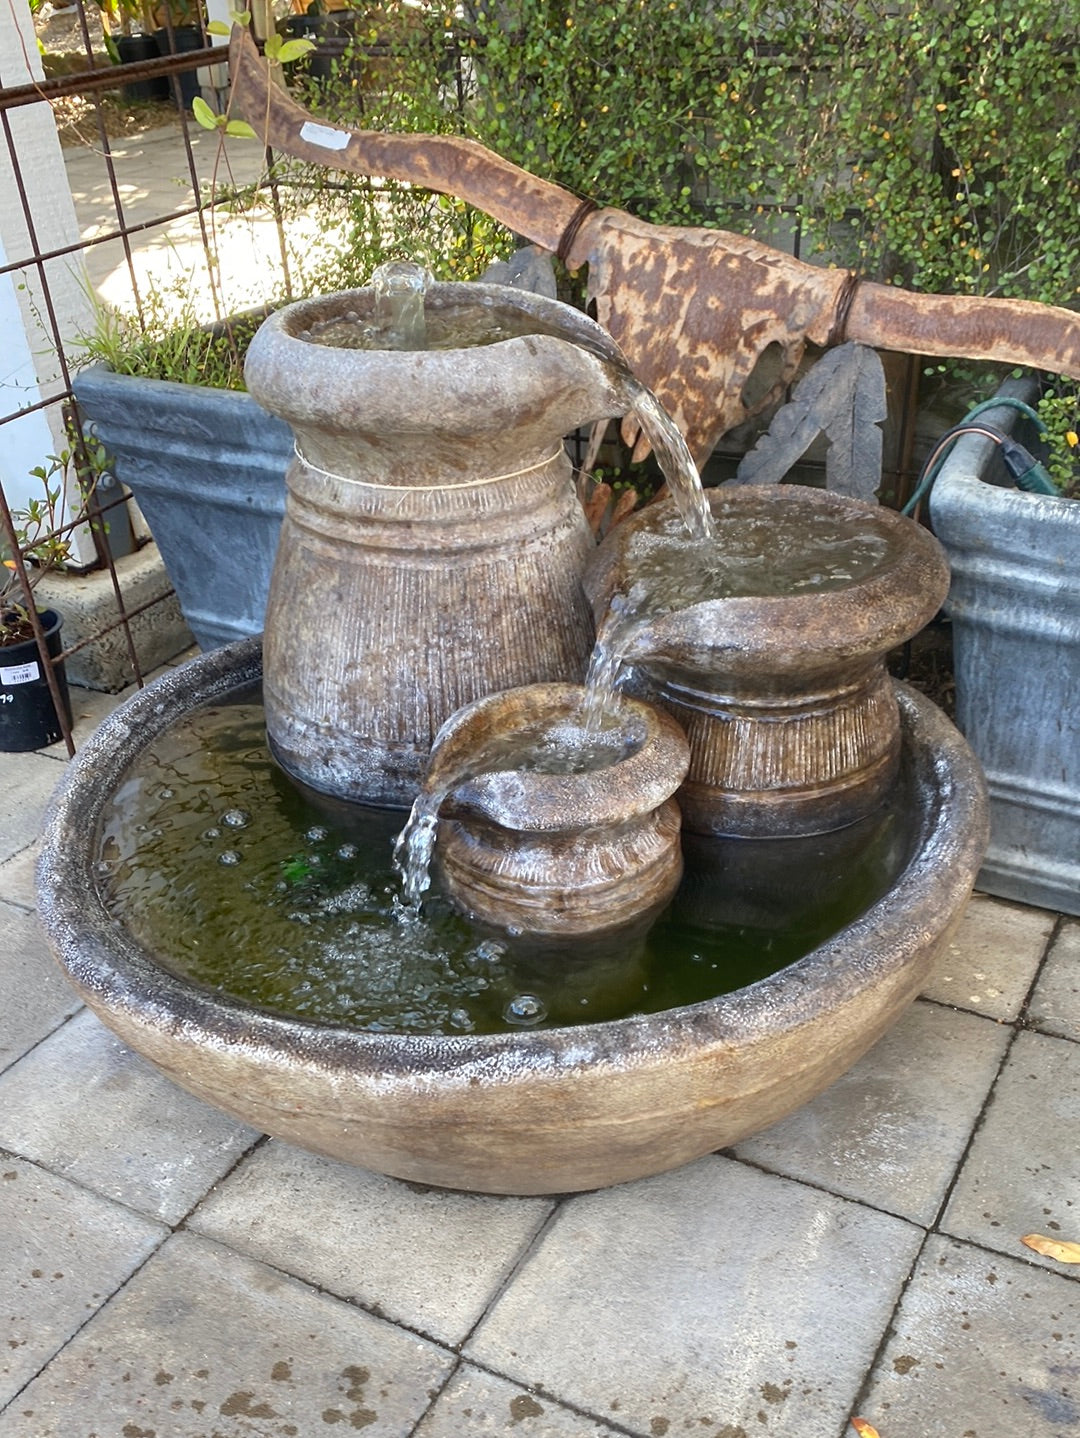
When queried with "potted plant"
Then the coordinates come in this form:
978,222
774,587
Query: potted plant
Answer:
1014,604
205,463
37,543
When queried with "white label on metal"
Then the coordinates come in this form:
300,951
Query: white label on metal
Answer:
323,135
21,674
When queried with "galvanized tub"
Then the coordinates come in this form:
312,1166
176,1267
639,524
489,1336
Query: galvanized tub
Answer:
1014,603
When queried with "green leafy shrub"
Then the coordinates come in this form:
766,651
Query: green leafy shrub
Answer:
929,144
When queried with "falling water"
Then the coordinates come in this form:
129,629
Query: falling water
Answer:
573,744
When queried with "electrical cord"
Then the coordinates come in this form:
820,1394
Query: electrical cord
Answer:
1025,470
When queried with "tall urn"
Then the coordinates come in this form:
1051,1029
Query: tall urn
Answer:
433,544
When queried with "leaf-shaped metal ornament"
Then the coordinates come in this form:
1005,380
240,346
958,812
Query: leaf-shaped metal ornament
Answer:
842,397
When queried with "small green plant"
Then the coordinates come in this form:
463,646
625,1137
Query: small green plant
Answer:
1059,410
169,342
43,535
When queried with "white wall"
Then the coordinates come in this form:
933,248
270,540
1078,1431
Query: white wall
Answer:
29,367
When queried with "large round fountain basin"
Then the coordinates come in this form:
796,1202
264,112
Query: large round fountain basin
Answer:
544,1111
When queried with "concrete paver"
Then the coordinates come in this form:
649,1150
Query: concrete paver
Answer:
17,878
64,1252
483,1406
892,1131
36,996
715,1298
428,1258
203,1341
28,783
982,1346
1055,1004
991,962
1022,1174
115,1124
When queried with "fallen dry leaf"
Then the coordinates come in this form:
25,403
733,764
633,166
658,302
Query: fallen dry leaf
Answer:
864,1429
1053,1248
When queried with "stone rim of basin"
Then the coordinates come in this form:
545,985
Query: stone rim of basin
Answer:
478,390
542,1111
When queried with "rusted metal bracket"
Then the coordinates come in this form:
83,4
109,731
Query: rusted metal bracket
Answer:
692,309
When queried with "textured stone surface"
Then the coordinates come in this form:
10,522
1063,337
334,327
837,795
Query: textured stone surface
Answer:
114,1123
479,1405
703,1299
1022,1174
993,958
35,997
982,1346
891,1131
64,1251
600,1104
426,1257
1055,1004
204,1342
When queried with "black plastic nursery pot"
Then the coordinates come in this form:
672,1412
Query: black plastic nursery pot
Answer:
184,39
28,717
132,48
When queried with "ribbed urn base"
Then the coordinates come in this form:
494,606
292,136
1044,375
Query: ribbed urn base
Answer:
562,884
763,767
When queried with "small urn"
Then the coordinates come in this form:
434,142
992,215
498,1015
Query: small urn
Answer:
775,665
559,845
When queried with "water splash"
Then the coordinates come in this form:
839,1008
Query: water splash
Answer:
400,287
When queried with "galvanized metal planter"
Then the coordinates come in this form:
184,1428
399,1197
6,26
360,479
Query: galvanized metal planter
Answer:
1014,602
207,468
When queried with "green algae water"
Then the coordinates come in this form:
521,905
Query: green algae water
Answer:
242,881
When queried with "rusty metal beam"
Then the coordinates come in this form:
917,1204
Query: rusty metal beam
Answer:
693,309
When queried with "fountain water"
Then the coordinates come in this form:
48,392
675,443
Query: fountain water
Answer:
431,559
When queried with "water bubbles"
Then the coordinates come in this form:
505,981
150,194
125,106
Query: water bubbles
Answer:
525,1011
489,951
316,834
229,857
165,792
236,818
461,1019
347,852
212,833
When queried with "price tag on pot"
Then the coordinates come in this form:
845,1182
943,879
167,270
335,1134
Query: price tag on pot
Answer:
20,674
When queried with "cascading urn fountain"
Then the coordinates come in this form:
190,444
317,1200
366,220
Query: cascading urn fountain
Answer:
229,906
